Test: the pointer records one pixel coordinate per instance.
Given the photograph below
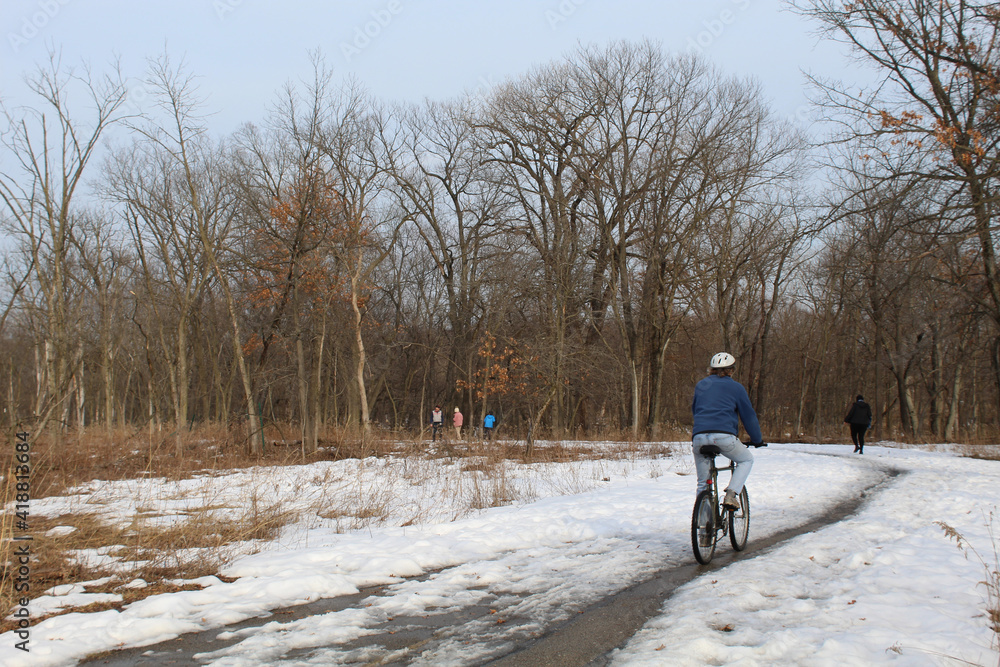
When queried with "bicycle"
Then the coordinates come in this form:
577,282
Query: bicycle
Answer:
710,521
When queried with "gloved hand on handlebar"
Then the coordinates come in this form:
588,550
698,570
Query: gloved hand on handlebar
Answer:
755,444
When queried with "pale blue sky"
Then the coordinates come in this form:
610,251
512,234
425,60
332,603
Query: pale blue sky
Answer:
244,50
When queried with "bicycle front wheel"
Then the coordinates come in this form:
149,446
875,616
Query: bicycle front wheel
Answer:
739,522
703,527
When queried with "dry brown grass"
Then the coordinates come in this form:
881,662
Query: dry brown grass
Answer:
7,544
157,553
128,596
146,550
991,568
980,451
196,547
98,454
559,451
665,433
129,454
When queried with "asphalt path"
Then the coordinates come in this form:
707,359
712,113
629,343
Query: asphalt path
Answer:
587,638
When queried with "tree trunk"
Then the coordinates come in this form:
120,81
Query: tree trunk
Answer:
107,379
181,387
633,377
307,429
937,397
359,348
81,392
951,425
317,389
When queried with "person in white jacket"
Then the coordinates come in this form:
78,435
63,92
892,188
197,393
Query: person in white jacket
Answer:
437,421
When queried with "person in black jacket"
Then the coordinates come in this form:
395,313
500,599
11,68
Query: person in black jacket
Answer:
859,418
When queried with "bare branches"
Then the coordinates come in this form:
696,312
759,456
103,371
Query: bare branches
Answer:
616,216
53,149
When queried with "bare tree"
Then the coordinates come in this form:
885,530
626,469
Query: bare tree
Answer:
938,96
750,229
453,204
105,272
353,142
144,179
534,135
293,214
51,150
202,203
888,271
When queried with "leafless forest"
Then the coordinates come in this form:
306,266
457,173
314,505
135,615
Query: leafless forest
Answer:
566,248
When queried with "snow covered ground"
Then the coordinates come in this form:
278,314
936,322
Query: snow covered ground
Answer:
886,586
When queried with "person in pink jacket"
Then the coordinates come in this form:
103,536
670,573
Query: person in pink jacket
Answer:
458,420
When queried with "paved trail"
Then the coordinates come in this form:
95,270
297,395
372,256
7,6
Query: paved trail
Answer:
583,637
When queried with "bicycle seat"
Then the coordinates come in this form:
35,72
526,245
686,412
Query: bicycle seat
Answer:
710,451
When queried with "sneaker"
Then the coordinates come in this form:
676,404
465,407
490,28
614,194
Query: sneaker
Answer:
731,501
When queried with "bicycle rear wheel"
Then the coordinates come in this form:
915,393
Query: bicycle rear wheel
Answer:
703,527
739,522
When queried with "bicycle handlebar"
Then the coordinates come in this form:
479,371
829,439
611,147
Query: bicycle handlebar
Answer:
758,445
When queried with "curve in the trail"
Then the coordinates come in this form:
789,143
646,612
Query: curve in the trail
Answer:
587,639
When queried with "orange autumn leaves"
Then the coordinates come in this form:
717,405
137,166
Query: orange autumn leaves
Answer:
294,251
504,371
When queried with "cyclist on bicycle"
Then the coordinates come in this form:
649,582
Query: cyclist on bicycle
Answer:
719,404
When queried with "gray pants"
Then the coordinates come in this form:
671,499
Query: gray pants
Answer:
732,449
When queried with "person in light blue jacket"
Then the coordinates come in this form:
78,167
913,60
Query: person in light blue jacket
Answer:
720,403
488,423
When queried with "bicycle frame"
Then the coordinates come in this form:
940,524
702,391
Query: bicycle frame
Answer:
709,521
713,485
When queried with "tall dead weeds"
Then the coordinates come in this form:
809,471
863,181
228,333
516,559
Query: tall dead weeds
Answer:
204,537
991,568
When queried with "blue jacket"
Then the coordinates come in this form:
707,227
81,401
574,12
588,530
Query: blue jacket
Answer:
489,421
719,404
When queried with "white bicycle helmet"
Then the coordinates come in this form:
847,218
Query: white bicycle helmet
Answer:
722,360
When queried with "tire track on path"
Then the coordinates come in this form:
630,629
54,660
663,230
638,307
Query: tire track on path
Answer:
586,639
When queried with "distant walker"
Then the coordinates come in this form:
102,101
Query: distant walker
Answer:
859,418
